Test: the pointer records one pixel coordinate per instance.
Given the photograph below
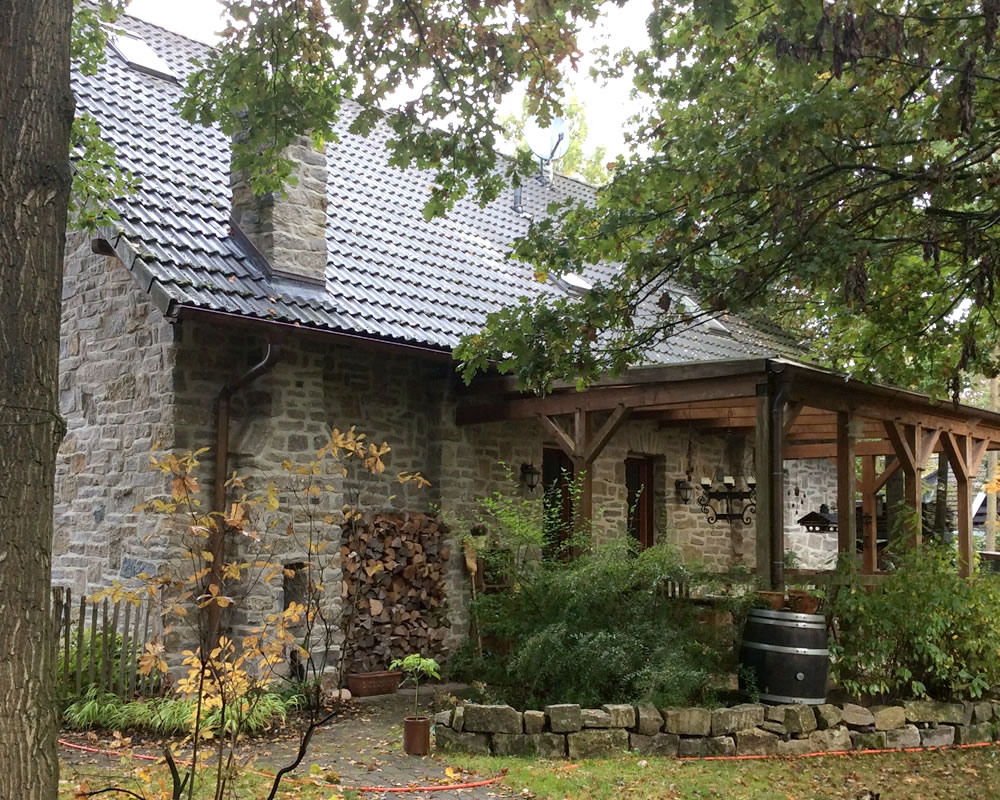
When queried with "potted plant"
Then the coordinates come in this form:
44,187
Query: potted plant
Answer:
773,600
803,601
417,728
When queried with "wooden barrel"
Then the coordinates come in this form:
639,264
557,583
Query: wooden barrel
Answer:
784,657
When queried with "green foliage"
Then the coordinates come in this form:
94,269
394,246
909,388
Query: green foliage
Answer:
923,632
602,628
171,716
68,687
416,668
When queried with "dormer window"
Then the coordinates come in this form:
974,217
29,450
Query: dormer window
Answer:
711,324
574,283
139,55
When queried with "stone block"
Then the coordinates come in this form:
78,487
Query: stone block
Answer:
888,718
705,746
868,740
898,738
738,718
657,744
795,747
564,718
982,712
458,718
621,715
648,719
799,719
597,742
975,733
831,740
443,718
828,716
777,728
550,745
492,719
857,716
775,713
595,718
687,721
446,739
543,745
934,711
756,742
941,736
534,721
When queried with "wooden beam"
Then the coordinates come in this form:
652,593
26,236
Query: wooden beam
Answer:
583,471
883,477
563,439
847,533
594,447
792,412
869,516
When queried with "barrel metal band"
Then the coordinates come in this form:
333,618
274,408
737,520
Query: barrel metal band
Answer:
777,648
817,626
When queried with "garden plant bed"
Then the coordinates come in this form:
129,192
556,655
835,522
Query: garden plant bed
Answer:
561,731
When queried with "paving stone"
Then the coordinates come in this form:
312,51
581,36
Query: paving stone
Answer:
649,720
738,718
659,744
888,718
755,742
544,745
855,716
687,721
933,711
828,716
795,747
596,718
941,736
973,734
868,740
596,742
534,721
907,736
622,716
492,719
564,718
800,719
446,739
831,740
704,746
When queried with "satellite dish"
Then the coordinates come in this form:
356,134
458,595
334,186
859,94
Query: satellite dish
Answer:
548,144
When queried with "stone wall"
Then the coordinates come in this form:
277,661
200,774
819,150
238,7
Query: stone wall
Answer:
750,729
810,483
116,395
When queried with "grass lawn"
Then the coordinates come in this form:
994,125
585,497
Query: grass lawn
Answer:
964,774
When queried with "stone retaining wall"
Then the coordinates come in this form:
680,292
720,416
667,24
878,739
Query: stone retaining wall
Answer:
562,731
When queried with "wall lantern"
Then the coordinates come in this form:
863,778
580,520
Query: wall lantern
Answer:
728,503
822,521
684,490
530,476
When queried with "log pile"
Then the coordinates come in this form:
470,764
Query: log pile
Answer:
394,593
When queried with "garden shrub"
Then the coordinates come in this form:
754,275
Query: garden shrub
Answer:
601,628
924,632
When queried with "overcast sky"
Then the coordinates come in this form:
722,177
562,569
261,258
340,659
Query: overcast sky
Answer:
607,107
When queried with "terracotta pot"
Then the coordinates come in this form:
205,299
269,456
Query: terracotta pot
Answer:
775,600
368,684
417,736
803,602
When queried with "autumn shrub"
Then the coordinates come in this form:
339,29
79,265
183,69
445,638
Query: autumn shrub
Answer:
924,632
602,627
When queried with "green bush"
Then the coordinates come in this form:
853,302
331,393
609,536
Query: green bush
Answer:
924,632
601,628
170,715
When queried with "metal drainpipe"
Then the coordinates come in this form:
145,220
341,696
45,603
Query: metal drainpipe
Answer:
217,541
776,390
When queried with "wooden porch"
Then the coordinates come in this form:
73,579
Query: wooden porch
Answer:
794,412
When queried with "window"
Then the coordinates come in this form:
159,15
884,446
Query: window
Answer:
557,480
139,55
640,493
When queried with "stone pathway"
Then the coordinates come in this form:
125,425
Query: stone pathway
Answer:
362,747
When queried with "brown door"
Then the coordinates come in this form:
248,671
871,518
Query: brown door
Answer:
639,491
557,479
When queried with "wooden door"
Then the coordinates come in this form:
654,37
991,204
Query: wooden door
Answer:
639,493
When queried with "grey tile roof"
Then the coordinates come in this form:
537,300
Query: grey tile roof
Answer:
390,273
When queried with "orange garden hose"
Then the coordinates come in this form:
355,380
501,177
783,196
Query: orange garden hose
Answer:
490,781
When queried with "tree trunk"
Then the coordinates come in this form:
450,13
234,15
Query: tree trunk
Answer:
36,114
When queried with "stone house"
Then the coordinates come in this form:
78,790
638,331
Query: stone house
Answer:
359,301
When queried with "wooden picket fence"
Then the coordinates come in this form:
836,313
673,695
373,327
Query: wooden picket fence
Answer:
90,654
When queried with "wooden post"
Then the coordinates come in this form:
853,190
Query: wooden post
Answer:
965,455
913,446
583,471
869,516
847,531
991,470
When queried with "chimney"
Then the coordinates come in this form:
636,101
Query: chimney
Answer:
288,230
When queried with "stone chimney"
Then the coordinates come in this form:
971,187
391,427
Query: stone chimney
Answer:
289,231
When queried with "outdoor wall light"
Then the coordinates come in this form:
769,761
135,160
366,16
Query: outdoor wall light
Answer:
530,476
728,503
684,490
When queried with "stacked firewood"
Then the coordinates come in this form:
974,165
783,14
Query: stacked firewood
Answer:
394,568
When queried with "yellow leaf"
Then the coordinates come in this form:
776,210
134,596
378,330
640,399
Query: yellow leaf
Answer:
208,555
